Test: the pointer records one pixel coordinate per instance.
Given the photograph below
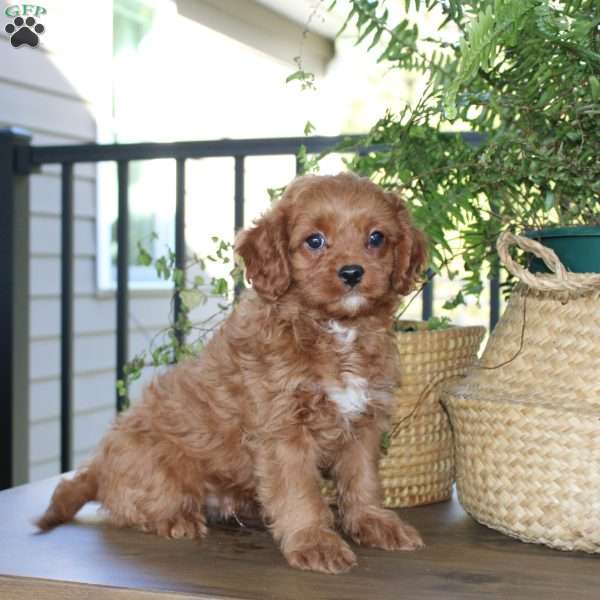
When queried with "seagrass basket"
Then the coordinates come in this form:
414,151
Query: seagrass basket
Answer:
526,419
418,465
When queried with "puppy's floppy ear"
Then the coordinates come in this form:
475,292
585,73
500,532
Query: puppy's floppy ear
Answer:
264,249
405,278
410,251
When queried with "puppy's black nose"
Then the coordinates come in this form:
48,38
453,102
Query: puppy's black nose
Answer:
351,274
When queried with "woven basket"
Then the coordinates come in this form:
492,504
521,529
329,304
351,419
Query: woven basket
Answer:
526,419
419,466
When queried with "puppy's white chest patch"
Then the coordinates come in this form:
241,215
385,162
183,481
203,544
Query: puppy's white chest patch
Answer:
352,396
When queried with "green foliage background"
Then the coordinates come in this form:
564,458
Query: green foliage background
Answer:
523,73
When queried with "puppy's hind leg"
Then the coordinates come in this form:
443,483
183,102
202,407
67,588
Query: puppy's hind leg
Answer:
151,486
189,522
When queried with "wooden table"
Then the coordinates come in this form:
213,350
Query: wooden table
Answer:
92,560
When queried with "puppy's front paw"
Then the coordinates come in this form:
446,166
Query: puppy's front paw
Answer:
380,528
318,549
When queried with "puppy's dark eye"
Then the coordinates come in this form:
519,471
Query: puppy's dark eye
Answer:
376,239
315,241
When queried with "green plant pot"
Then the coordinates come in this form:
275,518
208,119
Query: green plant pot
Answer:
577,247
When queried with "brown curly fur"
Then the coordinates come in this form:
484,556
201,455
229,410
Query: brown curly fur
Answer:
252,422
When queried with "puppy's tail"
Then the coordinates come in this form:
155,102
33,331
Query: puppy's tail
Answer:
69,496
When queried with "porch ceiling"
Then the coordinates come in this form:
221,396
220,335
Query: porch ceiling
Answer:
275,28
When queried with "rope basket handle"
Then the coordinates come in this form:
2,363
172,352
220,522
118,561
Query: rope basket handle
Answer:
560,280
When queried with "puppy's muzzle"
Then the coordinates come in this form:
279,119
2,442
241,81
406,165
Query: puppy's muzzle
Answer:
351,274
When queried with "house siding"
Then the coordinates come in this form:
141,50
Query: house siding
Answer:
57,97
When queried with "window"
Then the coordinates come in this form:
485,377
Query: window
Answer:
151,183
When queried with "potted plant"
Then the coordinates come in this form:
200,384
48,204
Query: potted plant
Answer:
578,248
525,76
417,463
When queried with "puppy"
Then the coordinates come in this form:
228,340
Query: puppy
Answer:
298,380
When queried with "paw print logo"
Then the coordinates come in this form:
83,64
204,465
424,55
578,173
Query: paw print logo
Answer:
24,32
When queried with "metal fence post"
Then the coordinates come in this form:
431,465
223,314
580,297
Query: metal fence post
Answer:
14,307
122,277
427,297
494,297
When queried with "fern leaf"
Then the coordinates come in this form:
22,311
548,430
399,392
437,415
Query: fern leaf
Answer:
479,45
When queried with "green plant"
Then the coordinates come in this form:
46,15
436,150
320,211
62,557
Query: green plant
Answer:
432,324
184,337
438,323
525,74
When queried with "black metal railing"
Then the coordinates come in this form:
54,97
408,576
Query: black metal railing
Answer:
18,160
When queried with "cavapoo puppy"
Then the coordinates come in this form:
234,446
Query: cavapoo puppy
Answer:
298,380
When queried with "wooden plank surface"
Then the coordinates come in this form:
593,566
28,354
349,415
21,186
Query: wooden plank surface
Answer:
90,559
